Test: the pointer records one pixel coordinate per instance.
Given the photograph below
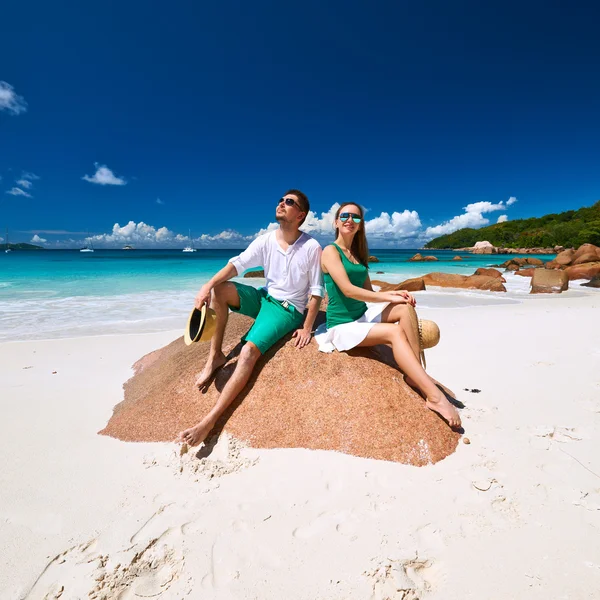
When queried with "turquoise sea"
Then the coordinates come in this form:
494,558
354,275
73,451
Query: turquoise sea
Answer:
66,293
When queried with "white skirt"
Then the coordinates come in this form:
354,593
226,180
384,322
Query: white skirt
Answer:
349,335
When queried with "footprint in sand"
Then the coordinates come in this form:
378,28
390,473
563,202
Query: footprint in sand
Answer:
149,574
408,579
138,570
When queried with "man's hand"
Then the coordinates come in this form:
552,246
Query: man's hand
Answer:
203,296
302,337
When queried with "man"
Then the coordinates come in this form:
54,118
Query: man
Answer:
292,263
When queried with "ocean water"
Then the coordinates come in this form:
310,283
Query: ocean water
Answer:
64,293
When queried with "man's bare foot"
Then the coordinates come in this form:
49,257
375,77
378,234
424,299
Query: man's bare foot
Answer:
196,434
210,368
439,404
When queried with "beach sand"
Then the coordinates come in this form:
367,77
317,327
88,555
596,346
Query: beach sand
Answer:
513,514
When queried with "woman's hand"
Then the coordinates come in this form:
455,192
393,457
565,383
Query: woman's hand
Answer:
203,296
399,297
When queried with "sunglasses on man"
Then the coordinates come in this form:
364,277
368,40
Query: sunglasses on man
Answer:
289,202
347,215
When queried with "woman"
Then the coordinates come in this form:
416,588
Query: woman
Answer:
351,323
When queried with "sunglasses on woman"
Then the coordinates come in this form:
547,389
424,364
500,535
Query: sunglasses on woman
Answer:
345,216
288,202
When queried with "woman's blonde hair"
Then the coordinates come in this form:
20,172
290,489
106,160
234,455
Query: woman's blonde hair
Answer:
359,249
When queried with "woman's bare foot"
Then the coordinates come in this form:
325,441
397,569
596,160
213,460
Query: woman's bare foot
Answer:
196,434
210,368
439,404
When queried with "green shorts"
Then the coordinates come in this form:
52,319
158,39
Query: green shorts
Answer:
272,320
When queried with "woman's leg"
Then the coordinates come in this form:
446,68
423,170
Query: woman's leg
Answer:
398,313
391,335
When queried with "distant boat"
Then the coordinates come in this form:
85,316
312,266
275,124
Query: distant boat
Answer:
191,247
7,244
127,247
88,247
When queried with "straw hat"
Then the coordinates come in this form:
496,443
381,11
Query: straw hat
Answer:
427,332
201,325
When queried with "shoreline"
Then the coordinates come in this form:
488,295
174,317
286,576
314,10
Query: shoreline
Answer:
344,526
170,313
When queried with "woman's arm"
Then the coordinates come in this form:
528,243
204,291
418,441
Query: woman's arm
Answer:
367,284
332,264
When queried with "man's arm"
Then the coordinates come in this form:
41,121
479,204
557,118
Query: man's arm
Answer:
225,274
252,256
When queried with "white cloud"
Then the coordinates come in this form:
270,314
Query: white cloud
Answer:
228,238
18,192
10,100
472,217
104,176
29,176
36,239
396,226
388,229
502,219
159,201
137,234
24,183
399,225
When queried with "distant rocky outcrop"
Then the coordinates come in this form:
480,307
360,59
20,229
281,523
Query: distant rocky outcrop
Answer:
525,272
409,285
515,264
583,263
490,273
484,248
420,258
476,282
546,281
502,250
373,259
585,271
457,258
295,399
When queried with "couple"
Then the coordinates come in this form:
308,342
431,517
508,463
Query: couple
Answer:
294,268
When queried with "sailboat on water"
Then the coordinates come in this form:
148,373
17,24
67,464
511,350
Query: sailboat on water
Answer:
8,249
190,248
88,247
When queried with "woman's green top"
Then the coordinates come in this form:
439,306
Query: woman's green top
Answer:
340,308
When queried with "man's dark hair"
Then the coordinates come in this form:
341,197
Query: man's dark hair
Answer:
302,201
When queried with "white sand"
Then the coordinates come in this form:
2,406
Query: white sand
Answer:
514,514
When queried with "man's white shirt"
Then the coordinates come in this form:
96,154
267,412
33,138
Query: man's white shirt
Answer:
291,275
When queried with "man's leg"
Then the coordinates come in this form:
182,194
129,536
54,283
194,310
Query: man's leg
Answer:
224,295
245,365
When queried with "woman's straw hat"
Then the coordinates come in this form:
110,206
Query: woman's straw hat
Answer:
201,325
427,332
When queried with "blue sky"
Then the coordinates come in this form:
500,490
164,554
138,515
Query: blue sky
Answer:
415,110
